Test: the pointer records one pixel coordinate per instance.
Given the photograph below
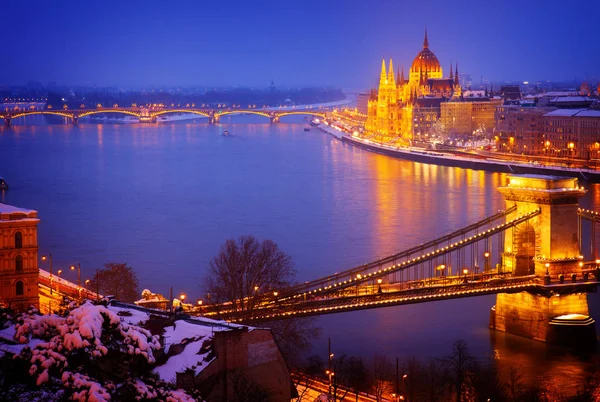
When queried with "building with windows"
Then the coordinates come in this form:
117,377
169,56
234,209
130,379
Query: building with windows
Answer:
519,129
391,107
18,257
465,115
572,133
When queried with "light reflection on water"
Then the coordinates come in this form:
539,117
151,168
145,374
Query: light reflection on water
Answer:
164,197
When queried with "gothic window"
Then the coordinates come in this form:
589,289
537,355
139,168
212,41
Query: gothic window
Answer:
19,288
19,263
18,240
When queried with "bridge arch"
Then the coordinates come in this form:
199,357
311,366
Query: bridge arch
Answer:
191,111
256,112
99,111
40,112
301,112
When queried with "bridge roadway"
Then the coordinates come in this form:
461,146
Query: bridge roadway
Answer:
441,288
150,115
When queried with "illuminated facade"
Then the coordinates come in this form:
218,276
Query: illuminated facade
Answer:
18,258
391,107
464,116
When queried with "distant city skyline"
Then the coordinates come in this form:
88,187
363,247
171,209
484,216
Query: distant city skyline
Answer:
333,43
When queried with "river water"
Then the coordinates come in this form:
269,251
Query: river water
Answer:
164,197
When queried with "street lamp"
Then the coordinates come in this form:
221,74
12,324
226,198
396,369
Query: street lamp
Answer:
547,276
487,261
182,297
379,285
58,281
78,267
49,257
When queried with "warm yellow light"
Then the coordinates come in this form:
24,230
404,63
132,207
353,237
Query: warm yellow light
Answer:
486,254
359,276
379,281
72,267
256,288
275,293
199,302
182,296
43,258
87,281
465,271
547,264
59,271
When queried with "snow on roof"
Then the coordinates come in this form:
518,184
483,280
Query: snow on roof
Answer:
130,315
571,99
189,358
9,209
564,112
589,113
553,94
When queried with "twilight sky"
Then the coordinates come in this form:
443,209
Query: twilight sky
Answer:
296,43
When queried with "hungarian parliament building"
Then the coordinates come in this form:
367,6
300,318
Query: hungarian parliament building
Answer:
403,108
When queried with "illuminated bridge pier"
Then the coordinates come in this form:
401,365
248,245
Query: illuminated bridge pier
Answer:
146,115
549,246
528,255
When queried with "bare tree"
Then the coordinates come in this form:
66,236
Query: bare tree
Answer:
117,280
381,376
460,364
247,271
294,337
514,384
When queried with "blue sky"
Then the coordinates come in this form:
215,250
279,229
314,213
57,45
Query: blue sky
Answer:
296,43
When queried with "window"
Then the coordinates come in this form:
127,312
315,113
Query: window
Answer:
19,263
19,288
18,240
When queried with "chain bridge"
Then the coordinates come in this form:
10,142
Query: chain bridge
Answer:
529,254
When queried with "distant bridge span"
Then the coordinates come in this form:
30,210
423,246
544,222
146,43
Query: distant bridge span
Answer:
146,115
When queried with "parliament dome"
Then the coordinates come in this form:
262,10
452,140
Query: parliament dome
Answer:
425,60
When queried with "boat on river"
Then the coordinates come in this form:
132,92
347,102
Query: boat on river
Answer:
3,184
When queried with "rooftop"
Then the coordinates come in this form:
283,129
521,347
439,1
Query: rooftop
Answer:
9,212
574,112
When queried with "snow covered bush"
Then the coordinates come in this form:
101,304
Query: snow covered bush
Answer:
90,353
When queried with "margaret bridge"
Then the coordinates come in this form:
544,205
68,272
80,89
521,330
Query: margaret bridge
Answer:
151,115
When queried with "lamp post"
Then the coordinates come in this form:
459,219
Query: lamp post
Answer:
78,267
465,272
58,281
329,372
379,285
442,268
547,276
49,257
487,261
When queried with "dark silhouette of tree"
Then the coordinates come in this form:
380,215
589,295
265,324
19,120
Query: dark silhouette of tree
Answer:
382,373
460,365
294,337
247,271
356,374
117,280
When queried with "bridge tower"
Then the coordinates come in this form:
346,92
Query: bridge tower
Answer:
548,247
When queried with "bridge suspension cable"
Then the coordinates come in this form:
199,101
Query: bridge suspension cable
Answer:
352,272
366,276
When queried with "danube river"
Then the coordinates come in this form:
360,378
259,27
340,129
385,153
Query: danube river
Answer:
164,197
